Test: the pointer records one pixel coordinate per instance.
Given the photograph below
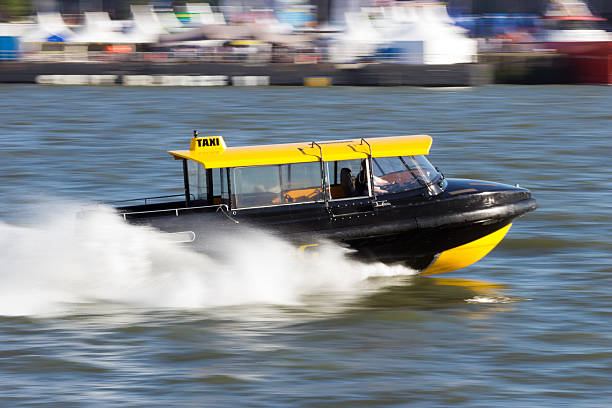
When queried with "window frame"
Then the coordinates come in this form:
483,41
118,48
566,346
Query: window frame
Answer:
328,179
226,183
279,167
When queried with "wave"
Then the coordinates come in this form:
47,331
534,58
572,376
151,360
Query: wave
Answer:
64,260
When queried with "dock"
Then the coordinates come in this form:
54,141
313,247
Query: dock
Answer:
218,74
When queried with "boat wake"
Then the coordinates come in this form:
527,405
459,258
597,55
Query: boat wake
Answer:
65,261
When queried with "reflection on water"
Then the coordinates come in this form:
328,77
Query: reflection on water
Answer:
426,293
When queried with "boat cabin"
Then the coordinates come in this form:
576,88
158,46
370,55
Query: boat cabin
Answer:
297,173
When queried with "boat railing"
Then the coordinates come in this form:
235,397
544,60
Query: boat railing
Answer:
220,207
145,200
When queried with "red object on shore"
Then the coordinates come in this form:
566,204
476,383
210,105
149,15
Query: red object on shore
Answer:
591,62
573,30
119,49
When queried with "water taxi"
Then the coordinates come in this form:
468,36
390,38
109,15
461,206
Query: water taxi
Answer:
378,196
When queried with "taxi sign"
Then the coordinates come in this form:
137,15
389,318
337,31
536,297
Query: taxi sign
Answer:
207,144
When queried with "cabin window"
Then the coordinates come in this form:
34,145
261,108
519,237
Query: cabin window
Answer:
220,189
301,182
346,178
258,186
197,180
404,173
198,186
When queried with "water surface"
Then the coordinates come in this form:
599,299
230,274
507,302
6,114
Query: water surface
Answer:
94,312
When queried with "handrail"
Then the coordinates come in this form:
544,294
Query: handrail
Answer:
372,190
144,199
366,142
176,210
325,198
313,144
226,213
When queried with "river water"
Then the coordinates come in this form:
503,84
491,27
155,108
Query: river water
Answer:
96,313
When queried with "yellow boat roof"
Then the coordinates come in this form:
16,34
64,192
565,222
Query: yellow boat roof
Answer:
212,152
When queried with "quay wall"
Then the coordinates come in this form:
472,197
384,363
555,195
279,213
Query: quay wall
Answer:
530,68
503,68
276,74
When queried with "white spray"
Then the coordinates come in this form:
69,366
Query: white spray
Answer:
67,260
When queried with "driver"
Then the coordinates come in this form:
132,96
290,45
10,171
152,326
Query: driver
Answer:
361,181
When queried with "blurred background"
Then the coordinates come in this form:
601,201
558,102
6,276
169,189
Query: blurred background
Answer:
95,312
503,41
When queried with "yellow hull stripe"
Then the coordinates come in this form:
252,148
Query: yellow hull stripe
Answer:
467,254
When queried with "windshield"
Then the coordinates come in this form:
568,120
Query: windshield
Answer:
405,173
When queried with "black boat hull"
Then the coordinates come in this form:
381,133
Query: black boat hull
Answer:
468,217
